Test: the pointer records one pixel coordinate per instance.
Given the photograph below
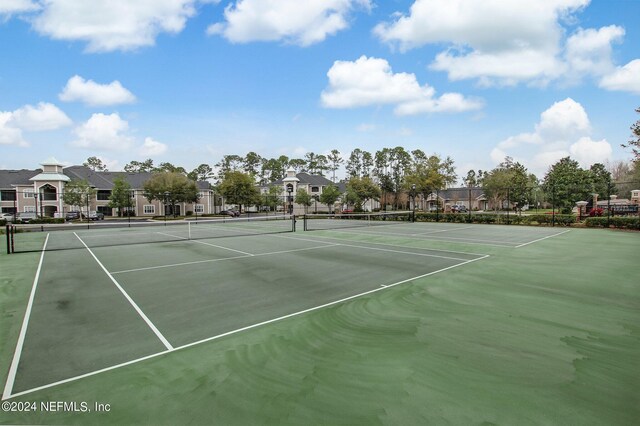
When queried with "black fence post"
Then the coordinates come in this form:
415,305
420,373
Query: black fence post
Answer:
8,232
508,205
437,206
608,205
553,205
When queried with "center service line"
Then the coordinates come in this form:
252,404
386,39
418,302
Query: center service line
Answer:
164,341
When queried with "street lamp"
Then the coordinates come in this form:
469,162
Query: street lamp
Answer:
290,198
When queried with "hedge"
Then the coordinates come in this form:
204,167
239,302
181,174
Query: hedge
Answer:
614,222
47,220
540,219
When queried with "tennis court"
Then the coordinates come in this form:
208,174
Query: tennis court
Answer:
110,296
352,321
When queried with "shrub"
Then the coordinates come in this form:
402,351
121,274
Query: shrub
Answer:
44,220
614,222
596,212
189,213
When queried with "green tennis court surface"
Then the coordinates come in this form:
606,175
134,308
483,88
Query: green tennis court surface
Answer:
406,323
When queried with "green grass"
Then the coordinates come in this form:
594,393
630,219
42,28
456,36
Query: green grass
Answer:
545,334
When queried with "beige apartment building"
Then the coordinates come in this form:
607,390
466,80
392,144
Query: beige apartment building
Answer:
41,190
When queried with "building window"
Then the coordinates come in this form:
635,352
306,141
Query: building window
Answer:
29,209
199,208
28,193
103,195
7,196
149,209
315,189
201,195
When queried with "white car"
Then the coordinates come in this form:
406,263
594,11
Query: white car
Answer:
6,216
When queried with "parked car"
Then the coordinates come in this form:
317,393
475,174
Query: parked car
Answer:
457,208
6,216
232,213
96,216
26,217
73,215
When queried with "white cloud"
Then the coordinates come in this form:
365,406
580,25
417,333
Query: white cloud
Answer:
44,116
494,41
626,78
10,135
292,21
95,94
370,81
587,151
564,129
588,52
152,148
103,133
108,25
10,7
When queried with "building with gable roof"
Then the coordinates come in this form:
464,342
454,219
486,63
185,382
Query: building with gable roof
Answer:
41,190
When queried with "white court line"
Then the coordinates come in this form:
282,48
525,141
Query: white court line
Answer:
13,369
195,262
401,252
380,244
441,230
544,238
207,244
153,328
436,238
249,327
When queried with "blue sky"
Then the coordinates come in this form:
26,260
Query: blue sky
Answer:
189,81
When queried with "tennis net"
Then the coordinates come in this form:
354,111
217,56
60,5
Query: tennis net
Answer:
315,222
29,238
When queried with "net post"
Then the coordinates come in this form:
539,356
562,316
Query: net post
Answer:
8,232
304,223
293,223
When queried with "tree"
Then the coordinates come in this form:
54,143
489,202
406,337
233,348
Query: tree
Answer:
334,161
601,180
329,196
95,164
252,162
429,173
566,183
470,180
272,197
354,163
509,181
229,163
203,172
170,188
168,167
312,162
120,197
634,142
138,167
361,190
78,193
239,188
303,198
322,164
297,164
